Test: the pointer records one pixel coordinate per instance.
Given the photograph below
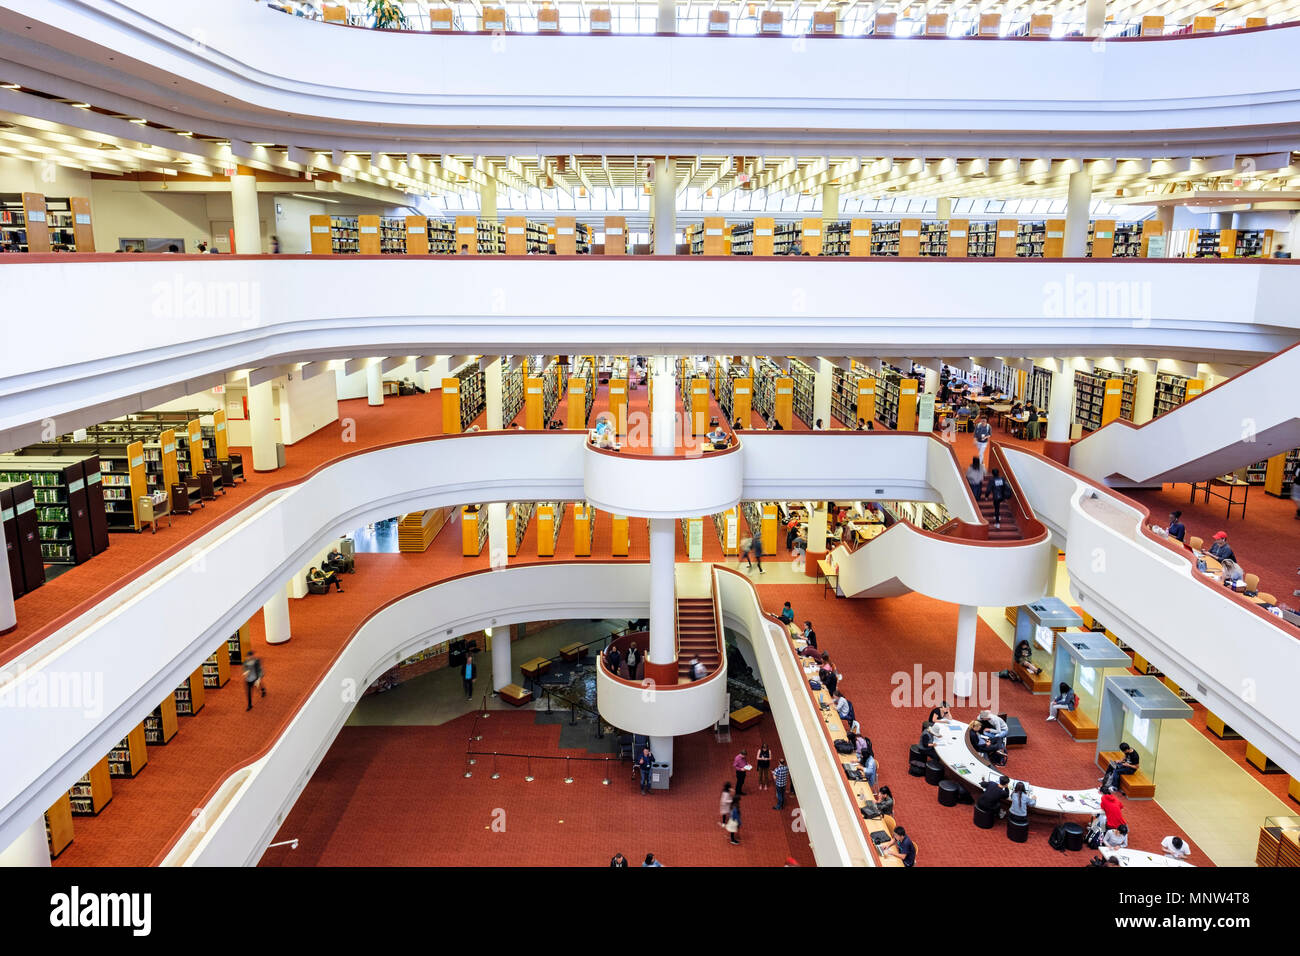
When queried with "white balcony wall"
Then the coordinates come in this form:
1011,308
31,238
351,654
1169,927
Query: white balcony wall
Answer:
670,487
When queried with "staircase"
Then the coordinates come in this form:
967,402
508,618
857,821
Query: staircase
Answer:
1010,530
697,636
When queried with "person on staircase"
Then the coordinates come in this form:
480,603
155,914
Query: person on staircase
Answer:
999,491
975,478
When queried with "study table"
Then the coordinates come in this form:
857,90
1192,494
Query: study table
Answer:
953,751
1225,489
1129,857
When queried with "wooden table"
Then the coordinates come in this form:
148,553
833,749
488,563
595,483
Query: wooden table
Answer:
1232,485
826,571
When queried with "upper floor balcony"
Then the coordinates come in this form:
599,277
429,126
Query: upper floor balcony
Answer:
253,74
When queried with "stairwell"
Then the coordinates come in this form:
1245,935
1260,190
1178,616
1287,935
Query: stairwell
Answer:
697,636
1008,529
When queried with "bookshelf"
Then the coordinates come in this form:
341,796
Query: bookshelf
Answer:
742,239
838,238
1280,473
392,236
884,238
981,240
735,395
512,395
581,394
62,502
786,239
812,236
58,825
1030,240
216,669
517,518
803,380
572,238
93,792
584,528
896,400
934,239
189,695
853,395
1204,244
1102,396
1127,241
441,237
1173,390
1039,387
727,526
58,220
238,644
130,755
463,398
550,517
473,530
160,726
773,394
13,223
18,513
345,235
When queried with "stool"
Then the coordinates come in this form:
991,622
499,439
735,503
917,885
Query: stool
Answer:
916,753
933,772
1073,836
947,793
984,819
1017,829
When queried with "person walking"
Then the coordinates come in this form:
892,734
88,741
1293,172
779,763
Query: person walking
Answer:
983,432
724,804
252,676
733,822
763,760
618,860
467,676
1295,498
999,491
742,767
780,780
756,551
632,659
643,764
975,478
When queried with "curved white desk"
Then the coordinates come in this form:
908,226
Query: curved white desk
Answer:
954,752
1129,857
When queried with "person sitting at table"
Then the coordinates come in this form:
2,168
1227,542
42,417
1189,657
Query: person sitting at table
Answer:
1232,573
927,741
718,437
1112,809
901,847
940,713
1117,838
1021,801
996,727
1176,529
787,614
1025,658
812,652
1175,847
885,800
995,791
1221,549
991,751
317,576
809,634
827,675
842,706
1119,768
869,766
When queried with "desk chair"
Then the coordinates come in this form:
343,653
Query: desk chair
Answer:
1265,598
1252,583
1195,544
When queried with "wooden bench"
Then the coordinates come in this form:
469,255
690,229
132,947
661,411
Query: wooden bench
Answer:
535,668
1077,724
514,694
746,717
1136,785
573,652
1039,683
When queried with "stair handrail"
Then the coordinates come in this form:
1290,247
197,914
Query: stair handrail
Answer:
1030,526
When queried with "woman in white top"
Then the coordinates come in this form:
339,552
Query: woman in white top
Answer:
1117,838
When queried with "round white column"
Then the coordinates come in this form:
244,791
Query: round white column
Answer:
667,22
663,422
275,616
665,206
262,427
1077,204
822,392
374,384
663,592
247,219
502,669
963,667
830,202
662,748
31,848
1060,400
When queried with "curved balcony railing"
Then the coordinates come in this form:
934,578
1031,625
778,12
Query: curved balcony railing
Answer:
689,484
659,710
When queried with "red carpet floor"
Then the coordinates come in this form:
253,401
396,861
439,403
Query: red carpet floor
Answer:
875,644
396,796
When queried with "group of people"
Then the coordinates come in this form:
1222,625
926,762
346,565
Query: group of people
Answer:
775,778
330,572
994,484
633,660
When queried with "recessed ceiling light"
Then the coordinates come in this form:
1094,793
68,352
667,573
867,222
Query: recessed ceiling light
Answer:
140,122
10,86
80,106
261,144
184,134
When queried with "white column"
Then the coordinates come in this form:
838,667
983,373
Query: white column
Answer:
667,16
663,591
830,202
374,383
1144,390
931,384
275,615
8,616
662,748
1077,204
30,849
1165,216
1094,18
943,208
261,426
663,423
248,221
817,530
665,208
963,667
502,668
1060,398
487,199
822,393
493,379
1053,564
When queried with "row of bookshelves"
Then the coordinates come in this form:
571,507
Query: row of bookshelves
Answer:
1173,390
473,394
512,395
804,380
31,222
766,373
1092,409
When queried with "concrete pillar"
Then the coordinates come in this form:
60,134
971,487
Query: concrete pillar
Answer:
1165,216
275,616
943,208
487,200
1094,18
374,384
1053,564
661,659
8,616
1060,407
1077,204
502,668
665,208
830,202
931,380
667,16
963,667
663,423
1144,397
262,428
662,748
247,219
493,383
822,383
30,849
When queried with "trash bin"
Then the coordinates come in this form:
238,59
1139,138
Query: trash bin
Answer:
659,775
348,548
279,454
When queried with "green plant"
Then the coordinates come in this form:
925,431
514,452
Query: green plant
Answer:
387,15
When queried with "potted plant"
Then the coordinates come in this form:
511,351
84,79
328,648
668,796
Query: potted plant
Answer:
387,15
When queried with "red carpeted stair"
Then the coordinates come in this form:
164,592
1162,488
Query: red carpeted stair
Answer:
697,636
1007,529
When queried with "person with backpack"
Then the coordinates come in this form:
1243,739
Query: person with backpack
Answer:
1065,699
975,478
999,491
1117,769
983,432
252,677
